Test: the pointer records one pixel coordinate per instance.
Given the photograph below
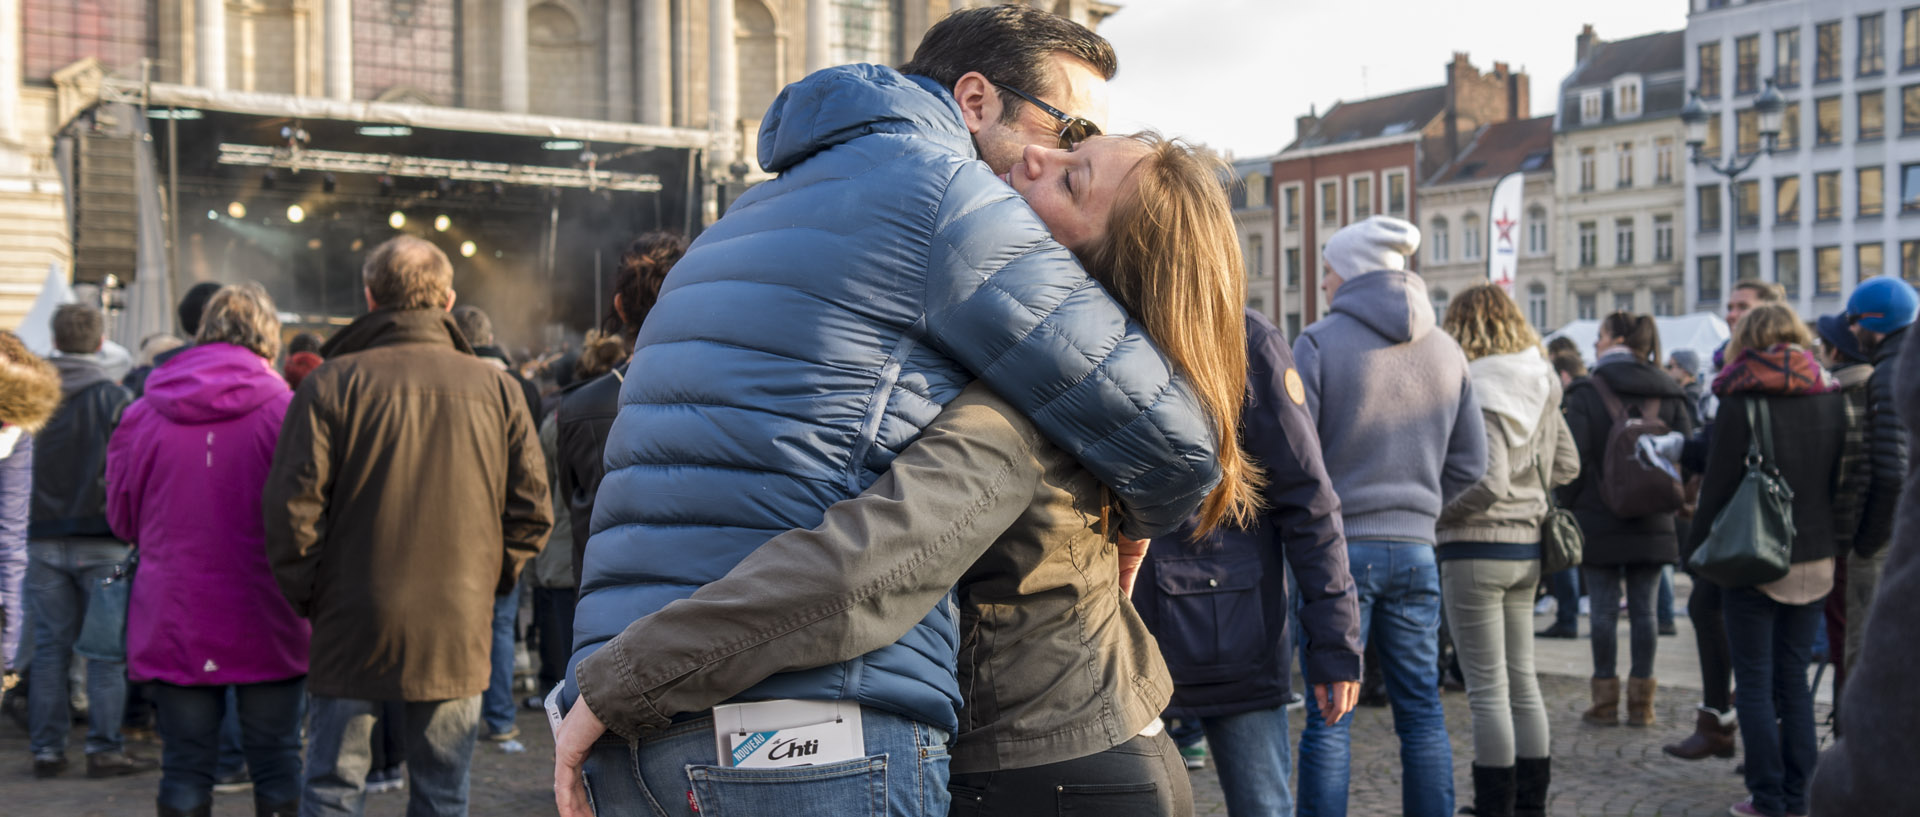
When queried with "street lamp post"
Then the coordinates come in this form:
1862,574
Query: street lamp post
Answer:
1769,106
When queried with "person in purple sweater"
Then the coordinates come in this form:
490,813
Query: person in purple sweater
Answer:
184,476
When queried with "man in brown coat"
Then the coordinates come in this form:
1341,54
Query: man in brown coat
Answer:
407,491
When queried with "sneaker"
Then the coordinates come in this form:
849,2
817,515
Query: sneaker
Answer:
535,703
1195,756
1667,628
1745,808
49,764
233,783
117,764
1296,701
512,733
380,781
1557,631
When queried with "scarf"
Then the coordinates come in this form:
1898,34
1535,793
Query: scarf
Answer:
1782,369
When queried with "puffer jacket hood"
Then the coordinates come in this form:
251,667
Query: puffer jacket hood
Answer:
211,383
77,373
1393,303
29,392
1513,388
835,107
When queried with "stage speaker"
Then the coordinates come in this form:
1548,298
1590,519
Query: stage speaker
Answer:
105,210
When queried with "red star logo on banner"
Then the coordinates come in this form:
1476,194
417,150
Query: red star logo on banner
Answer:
1505,225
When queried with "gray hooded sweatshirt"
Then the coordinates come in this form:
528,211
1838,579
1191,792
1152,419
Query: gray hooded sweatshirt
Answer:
1399,426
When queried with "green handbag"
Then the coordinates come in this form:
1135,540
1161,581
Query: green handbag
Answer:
103,631
1751,541
1562,544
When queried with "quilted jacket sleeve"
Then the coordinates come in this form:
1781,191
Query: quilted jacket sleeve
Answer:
16,494
1014,307
1887,462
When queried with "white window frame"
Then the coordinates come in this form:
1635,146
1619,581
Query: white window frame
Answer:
1257,185
1591,108
1406,184
1623,239
1256,253
1320,206
1437,250
1299,196
1628,87
1538,297
1539,237
1663,160
1373,195
1473,237
1663,238
1623,176
1586,159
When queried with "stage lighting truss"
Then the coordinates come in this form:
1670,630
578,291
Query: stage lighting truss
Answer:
419,167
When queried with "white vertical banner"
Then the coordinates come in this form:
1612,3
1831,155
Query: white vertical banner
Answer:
1503,231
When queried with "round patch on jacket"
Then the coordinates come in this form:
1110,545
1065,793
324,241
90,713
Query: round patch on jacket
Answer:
1296,390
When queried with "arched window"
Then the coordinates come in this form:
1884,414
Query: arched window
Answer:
1437,243
757,45
560,63
1440,299
1471,237
1537,305
1536,230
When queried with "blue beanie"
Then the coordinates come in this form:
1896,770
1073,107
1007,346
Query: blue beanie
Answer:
1835,334
1883,305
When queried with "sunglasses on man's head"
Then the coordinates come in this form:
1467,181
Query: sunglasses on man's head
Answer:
1073,129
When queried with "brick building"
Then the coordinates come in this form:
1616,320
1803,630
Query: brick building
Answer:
1367,157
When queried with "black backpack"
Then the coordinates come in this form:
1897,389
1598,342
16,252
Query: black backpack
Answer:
1628,487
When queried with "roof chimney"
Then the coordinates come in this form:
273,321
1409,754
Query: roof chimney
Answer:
1583,44
1304,125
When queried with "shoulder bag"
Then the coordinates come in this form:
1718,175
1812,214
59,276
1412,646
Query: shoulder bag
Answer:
1561,541
1751,541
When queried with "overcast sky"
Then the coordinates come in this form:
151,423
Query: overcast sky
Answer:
1234,73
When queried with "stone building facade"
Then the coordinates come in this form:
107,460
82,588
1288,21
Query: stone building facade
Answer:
1457,227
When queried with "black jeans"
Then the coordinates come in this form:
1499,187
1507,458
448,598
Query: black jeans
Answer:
1772,646
553,623
1603,614
1143,777
1710,638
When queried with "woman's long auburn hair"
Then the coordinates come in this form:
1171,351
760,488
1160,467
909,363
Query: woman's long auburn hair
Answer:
1485,321
1172,258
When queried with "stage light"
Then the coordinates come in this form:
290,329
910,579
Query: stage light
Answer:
313,243
467,249
397,220
296,213
385,130
357,245
212,216
441,223
236,209
328,182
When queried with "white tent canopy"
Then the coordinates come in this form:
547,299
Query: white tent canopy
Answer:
1703,332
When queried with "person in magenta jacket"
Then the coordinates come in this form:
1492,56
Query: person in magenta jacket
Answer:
184,477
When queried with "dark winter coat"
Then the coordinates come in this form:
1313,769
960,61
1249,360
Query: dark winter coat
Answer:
810,335
1611,540
1809,431
1869,770
407,491
1886,449
1218,606
584,420
70,462
1856,466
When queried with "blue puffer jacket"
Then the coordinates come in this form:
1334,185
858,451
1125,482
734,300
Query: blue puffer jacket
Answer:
809,336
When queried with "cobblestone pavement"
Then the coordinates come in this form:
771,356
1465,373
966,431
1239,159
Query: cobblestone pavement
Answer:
1597,771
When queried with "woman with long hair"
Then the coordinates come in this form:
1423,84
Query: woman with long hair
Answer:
1771,377
185,471
1489,548
982,507
1620,551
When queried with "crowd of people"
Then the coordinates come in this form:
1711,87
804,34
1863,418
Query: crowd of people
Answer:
946,473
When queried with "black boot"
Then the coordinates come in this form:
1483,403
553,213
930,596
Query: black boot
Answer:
1530,779
1492,791
203,810
262,808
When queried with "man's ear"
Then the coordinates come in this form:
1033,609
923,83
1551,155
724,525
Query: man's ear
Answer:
980,104
451,297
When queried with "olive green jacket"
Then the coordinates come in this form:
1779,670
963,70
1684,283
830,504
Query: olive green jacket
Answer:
1053,660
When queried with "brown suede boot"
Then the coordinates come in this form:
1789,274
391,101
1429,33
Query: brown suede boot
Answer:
1606,702
1640,701
1712,737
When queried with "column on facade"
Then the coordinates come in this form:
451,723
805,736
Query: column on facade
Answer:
960,4
819,30
513,56
339,60
620,60
656,63
10,44
210,44
723,80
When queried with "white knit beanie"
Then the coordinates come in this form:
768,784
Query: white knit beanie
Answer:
1378,243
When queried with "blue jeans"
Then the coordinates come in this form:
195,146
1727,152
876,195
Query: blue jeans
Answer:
1252,753
1603,617
1772,646
1564,586
496,705
903,775
233,751
1399,588
190,725
1663,607
439,739
60,573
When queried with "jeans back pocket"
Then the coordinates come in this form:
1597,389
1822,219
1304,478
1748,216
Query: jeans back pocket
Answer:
849,787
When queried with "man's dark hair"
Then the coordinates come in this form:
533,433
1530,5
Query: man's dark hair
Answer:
192,305
1569,364
1010,45
474,324
78,329
1767,293
1563,344
304,342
